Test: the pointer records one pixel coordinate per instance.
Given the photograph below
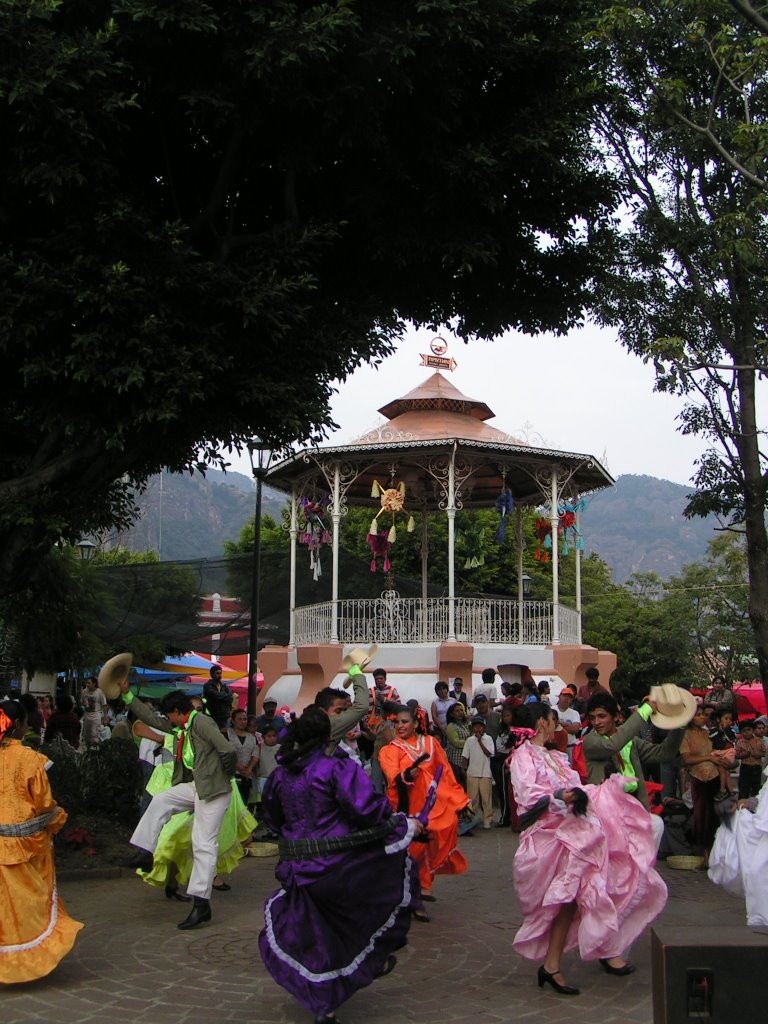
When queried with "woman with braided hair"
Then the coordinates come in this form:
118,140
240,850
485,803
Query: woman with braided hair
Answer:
35,930
347,882
584,870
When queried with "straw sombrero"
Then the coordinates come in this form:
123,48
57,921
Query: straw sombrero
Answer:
359,656
675,707
113,673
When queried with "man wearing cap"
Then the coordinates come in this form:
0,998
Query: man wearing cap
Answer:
477,760
569,718
269,717
218,698
610,748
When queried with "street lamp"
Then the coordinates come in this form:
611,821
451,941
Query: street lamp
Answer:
260,454
526,581
86,549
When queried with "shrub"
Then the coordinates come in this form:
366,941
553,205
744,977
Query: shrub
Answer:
104,780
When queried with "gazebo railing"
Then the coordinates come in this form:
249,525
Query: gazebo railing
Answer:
394,619
314,623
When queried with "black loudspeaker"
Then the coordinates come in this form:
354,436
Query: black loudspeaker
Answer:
711,975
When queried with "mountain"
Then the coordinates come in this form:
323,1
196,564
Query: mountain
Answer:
637,526
186,516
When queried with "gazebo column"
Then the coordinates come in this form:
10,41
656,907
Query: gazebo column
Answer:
520,587
451,512
294,533
336,520
578,571
424,567
555,563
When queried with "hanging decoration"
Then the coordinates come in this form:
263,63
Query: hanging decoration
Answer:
392,503
566,511
542,528
504,505
473,540
313,530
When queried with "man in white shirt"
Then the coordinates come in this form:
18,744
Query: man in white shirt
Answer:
94,702
476,762
569,718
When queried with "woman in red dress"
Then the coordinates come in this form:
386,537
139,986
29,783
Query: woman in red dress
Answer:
409,764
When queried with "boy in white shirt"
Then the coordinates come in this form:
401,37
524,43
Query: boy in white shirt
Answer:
476,762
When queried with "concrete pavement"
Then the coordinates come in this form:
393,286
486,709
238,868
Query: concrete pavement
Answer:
131,964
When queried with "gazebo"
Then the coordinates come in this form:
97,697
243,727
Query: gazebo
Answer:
439,453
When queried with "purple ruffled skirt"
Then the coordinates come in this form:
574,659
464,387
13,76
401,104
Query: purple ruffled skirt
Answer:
326,937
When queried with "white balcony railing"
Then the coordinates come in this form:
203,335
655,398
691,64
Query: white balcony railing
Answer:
392,619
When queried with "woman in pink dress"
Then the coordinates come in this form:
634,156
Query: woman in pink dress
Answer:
584,870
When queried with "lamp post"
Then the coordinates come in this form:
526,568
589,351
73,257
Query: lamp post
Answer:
260,455
526,580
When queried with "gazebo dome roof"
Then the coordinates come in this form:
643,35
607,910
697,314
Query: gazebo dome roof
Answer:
436,411
436,394
428,423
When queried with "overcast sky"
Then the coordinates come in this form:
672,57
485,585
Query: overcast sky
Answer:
582,393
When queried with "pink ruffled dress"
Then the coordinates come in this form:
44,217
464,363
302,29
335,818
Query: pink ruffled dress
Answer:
603,862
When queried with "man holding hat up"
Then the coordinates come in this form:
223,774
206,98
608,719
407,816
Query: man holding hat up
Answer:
204,763
612,748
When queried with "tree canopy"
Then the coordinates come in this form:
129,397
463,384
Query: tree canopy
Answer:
690,291
210,213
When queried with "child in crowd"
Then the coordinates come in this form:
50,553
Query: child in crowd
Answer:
476,762
267,754
761,731
723,738
749,753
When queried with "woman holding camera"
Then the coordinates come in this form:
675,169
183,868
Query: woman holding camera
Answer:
583,871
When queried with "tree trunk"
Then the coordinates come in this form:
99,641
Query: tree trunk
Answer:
754,520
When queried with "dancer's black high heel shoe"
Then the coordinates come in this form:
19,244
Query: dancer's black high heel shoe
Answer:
564,990
174,894
621,972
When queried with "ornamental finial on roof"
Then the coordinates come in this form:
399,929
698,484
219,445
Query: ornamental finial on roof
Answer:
438,360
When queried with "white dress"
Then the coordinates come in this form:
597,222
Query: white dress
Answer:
739,859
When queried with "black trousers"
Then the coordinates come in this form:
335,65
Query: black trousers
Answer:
750,778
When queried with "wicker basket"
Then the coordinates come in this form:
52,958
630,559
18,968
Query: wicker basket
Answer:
685,863
262,850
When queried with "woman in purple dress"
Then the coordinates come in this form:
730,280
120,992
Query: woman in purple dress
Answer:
347,883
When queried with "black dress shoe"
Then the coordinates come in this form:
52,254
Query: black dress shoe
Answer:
199,914
142,860
223,887
564,990
174,894
620,972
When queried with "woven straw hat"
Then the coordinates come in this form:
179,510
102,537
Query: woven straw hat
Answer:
359,656
675,707
113,673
